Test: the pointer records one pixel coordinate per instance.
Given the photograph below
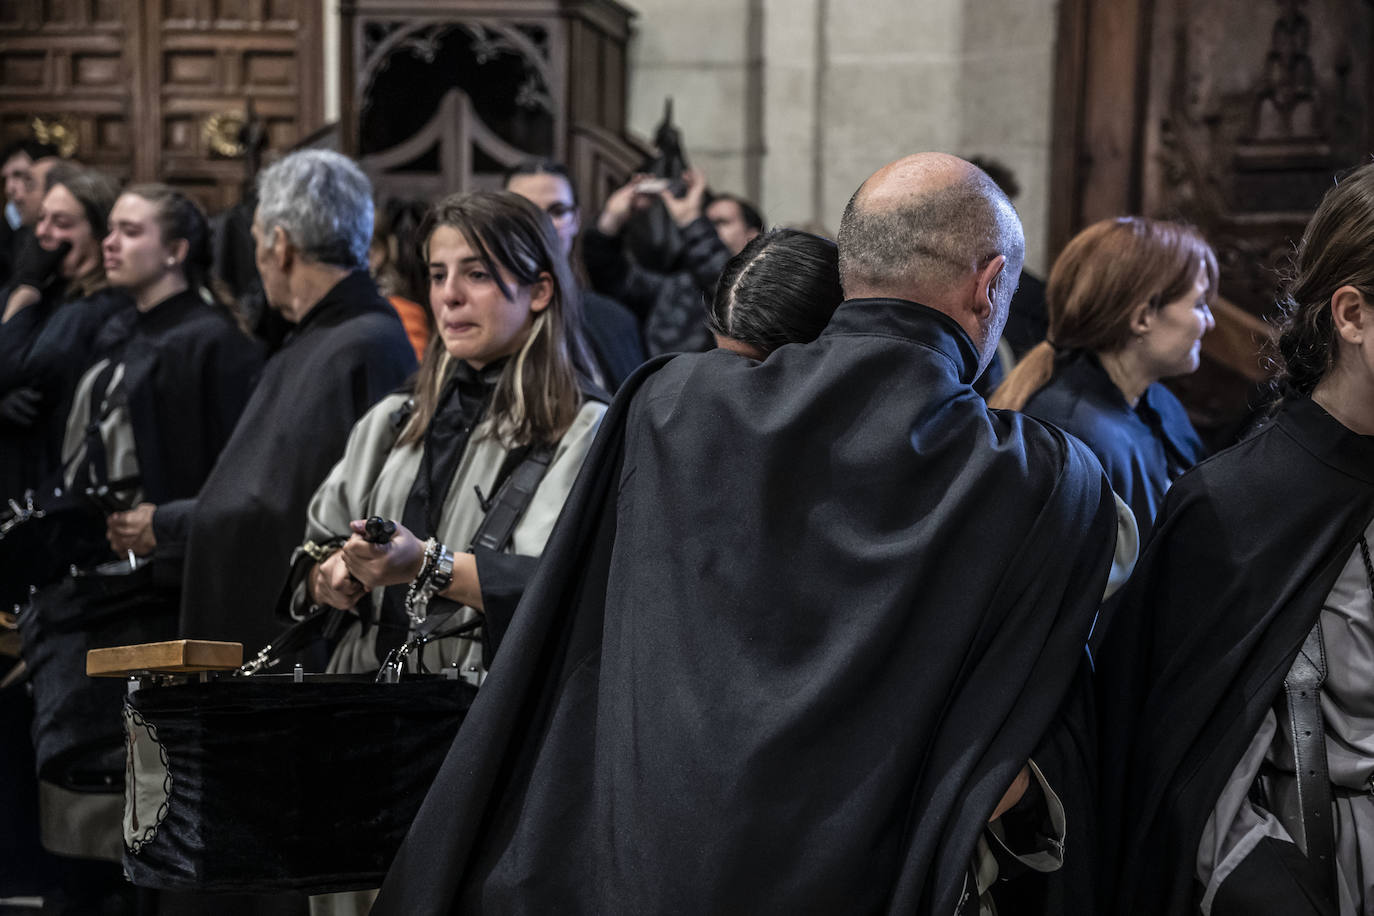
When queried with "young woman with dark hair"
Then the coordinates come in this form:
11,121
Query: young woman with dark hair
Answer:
781,288
181,364
502,394
1129,301
1238,700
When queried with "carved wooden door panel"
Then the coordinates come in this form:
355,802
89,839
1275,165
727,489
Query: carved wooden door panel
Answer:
1234,115
72,62
209,57
154,89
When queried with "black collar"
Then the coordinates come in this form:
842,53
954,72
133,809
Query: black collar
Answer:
353,294
170,311
1327,439
910,321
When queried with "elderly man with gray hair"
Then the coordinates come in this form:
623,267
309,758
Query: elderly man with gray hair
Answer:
312,228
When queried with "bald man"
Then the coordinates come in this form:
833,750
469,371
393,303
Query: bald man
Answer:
803,621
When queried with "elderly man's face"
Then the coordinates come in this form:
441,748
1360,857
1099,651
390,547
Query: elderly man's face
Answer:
266,255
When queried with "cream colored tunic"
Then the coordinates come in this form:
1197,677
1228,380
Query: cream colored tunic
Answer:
374,477
116,431
1237,825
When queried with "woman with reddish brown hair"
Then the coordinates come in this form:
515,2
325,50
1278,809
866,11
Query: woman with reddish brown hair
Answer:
1129,300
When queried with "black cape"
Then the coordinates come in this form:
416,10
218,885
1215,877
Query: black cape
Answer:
188,373
1244,553
799,625
1142,448
47,347
347,353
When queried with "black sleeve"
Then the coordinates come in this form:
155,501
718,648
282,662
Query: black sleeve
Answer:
16,338
172,521
502,577
613,274
704,254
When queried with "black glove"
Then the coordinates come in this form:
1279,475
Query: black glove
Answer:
38,267
20,407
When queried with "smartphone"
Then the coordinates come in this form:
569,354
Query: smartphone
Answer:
652,186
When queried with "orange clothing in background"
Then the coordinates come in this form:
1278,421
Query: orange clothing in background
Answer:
415,318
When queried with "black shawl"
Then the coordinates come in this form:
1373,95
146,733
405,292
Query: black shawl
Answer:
347,353
800,624
1245,551
47,347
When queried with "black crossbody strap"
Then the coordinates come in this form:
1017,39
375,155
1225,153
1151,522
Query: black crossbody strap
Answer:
1303,689
511,500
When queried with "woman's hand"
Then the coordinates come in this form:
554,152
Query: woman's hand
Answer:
35,269
618,206
329,583
21,406
132,530
396,562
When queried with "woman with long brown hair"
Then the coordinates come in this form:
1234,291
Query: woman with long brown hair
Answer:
1238,673
1129,300
501,407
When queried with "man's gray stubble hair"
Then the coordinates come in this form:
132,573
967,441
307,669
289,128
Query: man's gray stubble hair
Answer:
941,234
323,202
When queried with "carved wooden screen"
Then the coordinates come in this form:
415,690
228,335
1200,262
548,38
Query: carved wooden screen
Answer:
73,62
142,84
447,94
1234,115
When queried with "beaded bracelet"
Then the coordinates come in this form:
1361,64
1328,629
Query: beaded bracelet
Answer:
436,572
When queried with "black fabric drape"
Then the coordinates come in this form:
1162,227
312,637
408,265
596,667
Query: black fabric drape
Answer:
347,353
798,627
47,347
188,373
1245,550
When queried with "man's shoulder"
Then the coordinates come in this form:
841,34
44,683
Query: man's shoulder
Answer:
371,329
602,310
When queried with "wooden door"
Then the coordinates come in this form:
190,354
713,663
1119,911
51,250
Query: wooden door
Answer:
74,63
1234,115
153,89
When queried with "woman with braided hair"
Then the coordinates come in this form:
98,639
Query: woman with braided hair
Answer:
1237,693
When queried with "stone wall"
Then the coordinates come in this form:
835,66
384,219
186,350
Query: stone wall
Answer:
794,102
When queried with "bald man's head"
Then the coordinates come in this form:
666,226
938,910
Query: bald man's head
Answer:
926,228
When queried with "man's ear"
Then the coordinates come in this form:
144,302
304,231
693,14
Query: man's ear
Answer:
178,250
541,292
985,291
283,249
